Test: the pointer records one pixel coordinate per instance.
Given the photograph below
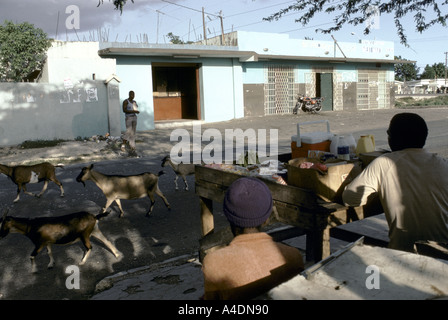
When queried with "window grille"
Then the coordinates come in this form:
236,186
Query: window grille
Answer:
279,89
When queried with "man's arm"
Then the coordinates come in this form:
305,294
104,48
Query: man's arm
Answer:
357,192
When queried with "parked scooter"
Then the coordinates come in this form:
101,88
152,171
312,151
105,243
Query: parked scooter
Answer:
307,104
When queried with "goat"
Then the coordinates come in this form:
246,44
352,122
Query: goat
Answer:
180,169
46,231
21,175
116,187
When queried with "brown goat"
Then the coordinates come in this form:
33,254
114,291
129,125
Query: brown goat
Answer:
46,231
116,187
21,175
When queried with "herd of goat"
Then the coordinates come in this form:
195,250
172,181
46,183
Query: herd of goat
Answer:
45,231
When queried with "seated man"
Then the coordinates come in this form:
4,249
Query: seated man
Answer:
412,185
253,262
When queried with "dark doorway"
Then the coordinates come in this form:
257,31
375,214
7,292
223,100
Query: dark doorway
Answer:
175,91
324,88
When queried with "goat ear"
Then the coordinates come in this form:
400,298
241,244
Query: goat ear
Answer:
90,167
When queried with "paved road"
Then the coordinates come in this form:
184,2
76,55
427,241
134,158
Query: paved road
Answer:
166,234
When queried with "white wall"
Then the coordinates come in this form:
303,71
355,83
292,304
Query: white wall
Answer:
75,62
282,44
221,90
35,111
135,74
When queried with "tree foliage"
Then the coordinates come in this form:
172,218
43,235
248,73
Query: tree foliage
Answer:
357,12
405,71
437,70
22,51
119,4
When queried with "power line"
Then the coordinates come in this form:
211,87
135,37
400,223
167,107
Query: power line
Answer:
179,5
250,11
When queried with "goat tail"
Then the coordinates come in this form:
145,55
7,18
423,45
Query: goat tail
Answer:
161,172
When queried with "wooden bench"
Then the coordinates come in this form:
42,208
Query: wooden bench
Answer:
374,230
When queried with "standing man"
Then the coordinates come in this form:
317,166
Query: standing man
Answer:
412,185
130,108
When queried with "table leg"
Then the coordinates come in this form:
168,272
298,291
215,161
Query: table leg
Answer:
317,244
207,220
325,243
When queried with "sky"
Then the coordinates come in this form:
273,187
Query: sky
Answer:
152,20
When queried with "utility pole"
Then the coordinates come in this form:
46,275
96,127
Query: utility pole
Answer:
222,28
203,25
157,34
446,58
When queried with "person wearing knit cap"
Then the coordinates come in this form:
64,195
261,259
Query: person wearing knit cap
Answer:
253,262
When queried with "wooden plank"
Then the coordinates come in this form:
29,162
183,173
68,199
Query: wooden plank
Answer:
207,219
283,193
292,215
374,229
210,191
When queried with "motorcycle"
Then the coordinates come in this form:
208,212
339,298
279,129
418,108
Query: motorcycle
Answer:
307,104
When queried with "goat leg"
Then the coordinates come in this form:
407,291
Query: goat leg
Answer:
86,241
43,189
175,182
33,265
50,254
186,184
161,195
150,208
18,193
33,256
86,255
27,192
118,202
107,205
62,191
99,235
56,181
151,197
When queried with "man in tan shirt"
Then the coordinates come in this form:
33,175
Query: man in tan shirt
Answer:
412,185
253,262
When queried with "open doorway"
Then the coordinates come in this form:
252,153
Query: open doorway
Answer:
175,91
324,88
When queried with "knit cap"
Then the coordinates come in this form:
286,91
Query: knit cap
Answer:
247,203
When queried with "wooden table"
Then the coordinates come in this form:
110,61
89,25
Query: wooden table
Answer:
292,206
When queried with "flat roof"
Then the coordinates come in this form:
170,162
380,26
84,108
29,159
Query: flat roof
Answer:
203,51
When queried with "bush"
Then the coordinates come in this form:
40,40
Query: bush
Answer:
33,144
407,102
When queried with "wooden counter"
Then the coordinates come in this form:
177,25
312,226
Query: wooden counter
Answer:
292,206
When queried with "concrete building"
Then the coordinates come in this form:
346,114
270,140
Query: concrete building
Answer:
252,74
422,86
83,84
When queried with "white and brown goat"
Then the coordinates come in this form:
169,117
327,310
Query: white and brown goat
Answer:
22,174
117,187
182,169
45,231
